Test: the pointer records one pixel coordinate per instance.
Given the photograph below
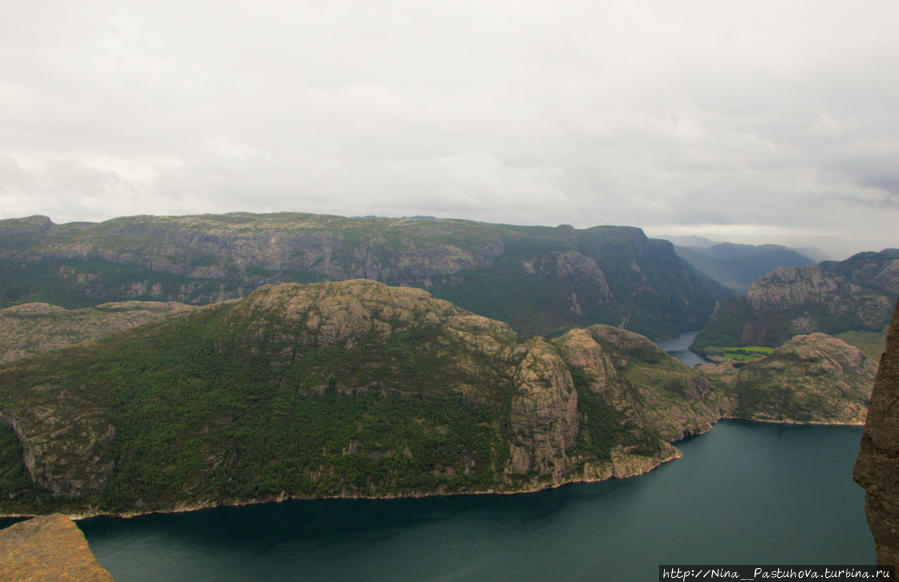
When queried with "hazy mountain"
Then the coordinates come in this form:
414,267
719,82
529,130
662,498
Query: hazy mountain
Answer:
833,297
736,266
540,280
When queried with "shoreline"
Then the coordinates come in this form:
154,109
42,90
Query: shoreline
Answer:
674,454
796,422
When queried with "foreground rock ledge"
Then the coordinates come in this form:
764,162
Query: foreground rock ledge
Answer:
51,548
877,467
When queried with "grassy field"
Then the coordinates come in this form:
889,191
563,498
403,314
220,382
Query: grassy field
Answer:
740,353
871,343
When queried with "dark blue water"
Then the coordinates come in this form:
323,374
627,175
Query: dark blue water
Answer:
744,493
679,348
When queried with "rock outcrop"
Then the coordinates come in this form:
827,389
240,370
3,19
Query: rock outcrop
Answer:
34,328
833,297
49,548
814,378
877,467
543,415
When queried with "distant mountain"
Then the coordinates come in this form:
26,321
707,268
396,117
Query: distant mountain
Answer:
833,297
540,280
692,241
736,266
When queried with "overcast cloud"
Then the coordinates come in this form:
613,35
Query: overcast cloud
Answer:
762,121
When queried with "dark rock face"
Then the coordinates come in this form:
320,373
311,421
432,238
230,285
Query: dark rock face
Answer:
48,548
877,467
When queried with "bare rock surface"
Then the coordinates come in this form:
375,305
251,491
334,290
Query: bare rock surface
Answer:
49,548
877,466
34,328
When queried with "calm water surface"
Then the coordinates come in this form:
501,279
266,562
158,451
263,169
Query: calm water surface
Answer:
744,493
679,348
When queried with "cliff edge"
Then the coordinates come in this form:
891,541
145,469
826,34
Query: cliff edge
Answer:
51,548
877,467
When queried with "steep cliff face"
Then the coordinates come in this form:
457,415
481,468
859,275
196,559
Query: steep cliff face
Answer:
543,420
877,466
338,389
855,294
806,300
813,378
565,277
634,400
49,548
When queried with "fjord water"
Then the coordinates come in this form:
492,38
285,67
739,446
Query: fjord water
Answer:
744,493
679,348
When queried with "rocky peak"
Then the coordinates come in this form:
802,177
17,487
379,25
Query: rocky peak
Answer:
344,314
812,378
876,270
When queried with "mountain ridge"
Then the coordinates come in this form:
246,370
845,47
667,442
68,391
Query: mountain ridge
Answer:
834,297
566,277
335,389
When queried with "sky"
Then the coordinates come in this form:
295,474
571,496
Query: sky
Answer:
762,121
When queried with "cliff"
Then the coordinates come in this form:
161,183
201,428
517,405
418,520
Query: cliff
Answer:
877,466
50,548
341,389
833,297
564,277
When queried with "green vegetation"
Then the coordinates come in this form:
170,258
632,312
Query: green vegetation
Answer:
739,354
196,419
563,277
725,327
14,477
851,297
74,283
602,431
326,390
811,378
870,343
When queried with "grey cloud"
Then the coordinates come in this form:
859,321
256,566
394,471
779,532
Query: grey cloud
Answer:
778,117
